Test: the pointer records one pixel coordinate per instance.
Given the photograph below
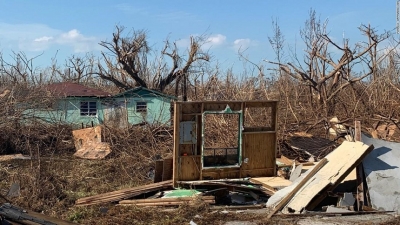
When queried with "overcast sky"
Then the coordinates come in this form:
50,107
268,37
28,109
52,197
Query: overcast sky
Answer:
76,27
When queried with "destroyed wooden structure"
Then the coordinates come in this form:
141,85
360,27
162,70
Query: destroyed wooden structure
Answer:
224,139
307,192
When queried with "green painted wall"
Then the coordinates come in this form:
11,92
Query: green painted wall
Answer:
68,111
158,109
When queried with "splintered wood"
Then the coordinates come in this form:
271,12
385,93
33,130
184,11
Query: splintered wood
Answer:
119,195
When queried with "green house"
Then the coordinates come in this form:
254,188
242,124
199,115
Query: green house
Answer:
70,103
81,106
142,105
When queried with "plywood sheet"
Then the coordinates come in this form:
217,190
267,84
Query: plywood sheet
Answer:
87,135
259,149
88,143
93,151
340,163
227,173
189,168
167,169
273,182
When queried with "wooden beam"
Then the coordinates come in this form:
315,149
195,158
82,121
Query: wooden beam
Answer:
176,160
286,199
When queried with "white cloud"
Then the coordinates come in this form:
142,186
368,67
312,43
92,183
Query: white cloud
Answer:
216,40
43,39
78,41
183,43
130,9
242,44
39,37
210,42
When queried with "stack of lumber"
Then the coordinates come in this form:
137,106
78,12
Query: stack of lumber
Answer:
169,201
119,195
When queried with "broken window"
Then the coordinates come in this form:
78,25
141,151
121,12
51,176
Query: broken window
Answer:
88,108
141,107
221,139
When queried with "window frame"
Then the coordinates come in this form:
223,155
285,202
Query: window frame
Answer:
141,107
89,110
239,141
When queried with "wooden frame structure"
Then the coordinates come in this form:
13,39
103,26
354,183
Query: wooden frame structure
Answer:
256,141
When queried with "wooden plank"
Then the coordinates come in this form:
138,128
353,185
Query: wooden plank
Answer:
190,168
167,169
177,118
158,172
340,163
259,104
273,183
259,149
182,199
221,173
123,194
286,199
359,169
171,203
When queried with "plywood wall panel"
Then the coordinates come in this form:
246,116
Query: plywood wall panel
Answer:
259,149
189,168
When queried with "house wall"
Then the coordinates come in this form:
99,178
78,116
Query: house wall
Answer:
68,111
158,109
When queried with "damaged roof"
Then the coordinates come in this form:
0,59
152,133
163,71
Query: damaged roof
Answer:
69,89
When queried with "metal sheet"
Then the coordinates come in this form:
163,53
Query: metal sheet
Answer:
382,171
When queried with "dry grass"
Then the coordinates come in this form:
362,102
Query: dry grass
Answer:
50,183
53,179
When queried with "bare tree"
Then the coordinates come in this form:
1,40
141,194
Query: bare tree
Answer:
126,62
322,72
20,70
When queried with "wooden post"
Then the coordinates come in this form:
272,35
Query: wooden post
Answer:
176,156
359,169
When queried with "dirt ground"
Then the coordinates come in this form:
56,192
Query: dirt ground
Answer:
206,215
52,185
